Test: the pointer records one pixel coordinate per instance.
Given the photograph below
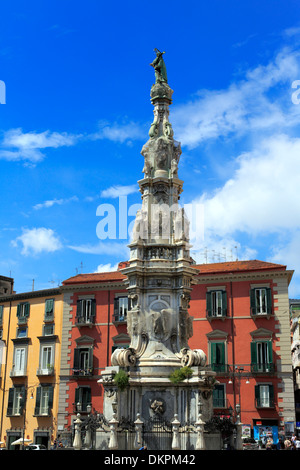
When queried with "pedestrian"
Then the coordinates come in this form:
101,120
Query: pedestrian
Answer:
297,443
287,444
269,444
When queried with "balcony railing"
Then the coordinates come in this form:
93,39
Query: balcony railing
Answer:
85,320
45,370
18,372
263,368
83,372
220,367
264,403
119,317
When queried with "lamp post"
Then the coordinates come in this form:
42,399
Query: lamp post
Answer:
238,372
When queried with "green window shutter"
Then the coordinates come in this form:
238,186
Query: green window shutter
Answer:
86,398
79,308
38,401
116,306
224,303
213,353
76,396
27,310
269,300
76,358
1,313
90,358
208,303
271,394
218,396
253,356
257,395
49,307
10,404
270,352
23,400
253,309
218,356
50,401
221,356
93,308
18,310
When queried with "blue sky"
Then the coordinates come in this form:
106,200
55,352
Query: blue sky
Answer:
78,112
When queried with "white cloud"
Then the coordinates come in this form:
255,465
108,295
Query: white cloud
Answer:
17,145
248,105
38,240
103,248
262,194
119,132
52,202
104,268
118,190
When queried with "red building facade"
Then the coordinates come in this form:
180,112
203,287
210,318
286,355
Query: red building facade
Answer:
241,322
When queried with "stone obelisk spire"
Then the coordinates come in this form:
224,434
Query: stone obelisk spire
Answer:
159,273
158,280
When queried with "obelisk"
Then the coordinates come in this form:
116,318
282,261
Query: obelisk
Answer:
159,283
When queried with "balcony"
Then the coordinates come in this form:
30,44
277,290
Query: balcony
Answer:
220,368
83,372
264,403
49,370
217,314
119,318
22,372
84,321
267,368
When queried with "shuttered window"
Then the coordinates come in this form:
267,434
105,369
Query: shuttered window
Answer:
217,354
261,301
216,303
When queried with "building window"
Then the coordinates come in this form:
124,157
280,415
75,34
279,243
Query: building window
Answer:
216,303
219,396
16,401
19,365
44,400
121,306
49,309
22,332
48,330
82,398
83,361
217,356
264,396
86,310
46,360
23,312
261,301
261,356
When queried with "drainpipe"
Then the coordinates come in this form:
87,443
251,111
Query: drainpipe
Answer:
5,369
233,348
108,320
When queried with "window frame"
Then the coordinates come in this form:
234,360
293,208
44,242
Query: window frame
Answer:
257,301
213,298
44,393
